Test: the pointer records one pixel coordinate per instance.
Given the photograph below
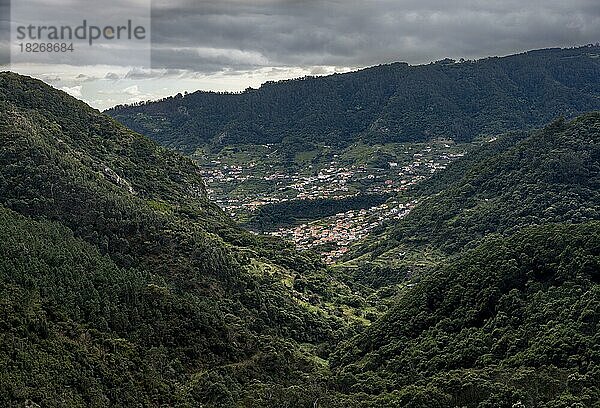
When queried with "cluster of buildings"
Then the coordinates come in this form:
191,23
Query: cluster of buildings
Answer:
233,187
332,236
240,189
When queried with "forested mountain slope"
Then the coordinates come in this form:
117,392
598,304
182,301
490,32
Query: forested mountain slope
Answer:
122,285
513,322
546,176
388,103
509,312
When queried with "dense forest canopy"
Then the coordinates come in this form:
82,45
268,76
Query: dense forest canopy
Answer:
122,285
272,216
387,103
509,312
513,321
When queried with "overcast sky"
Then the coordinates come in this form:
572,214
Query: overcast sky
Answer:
233,44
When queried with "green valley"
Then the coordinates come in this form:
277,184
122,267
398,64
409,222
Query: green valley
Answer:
361,138
441,241
320,200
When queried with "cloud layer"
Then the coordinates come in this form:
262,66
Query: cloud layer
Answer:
209,36
228,45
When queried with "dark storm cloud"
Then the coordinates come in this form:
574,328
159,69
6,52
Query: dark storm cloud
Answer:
212,35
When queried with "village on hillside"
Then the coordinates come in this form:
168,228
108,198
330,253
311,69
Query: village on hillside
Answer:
240,185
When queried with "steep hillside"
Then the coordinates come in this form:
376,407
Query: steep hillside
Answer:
551,175
507,311
506,308
390,103
513,322
121,282
123,285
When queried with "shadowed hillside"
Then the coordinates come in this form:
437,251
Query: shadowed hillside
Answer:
122,284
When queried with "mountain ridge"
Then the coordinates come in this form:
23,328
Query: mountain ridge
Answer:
120,268
388,103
